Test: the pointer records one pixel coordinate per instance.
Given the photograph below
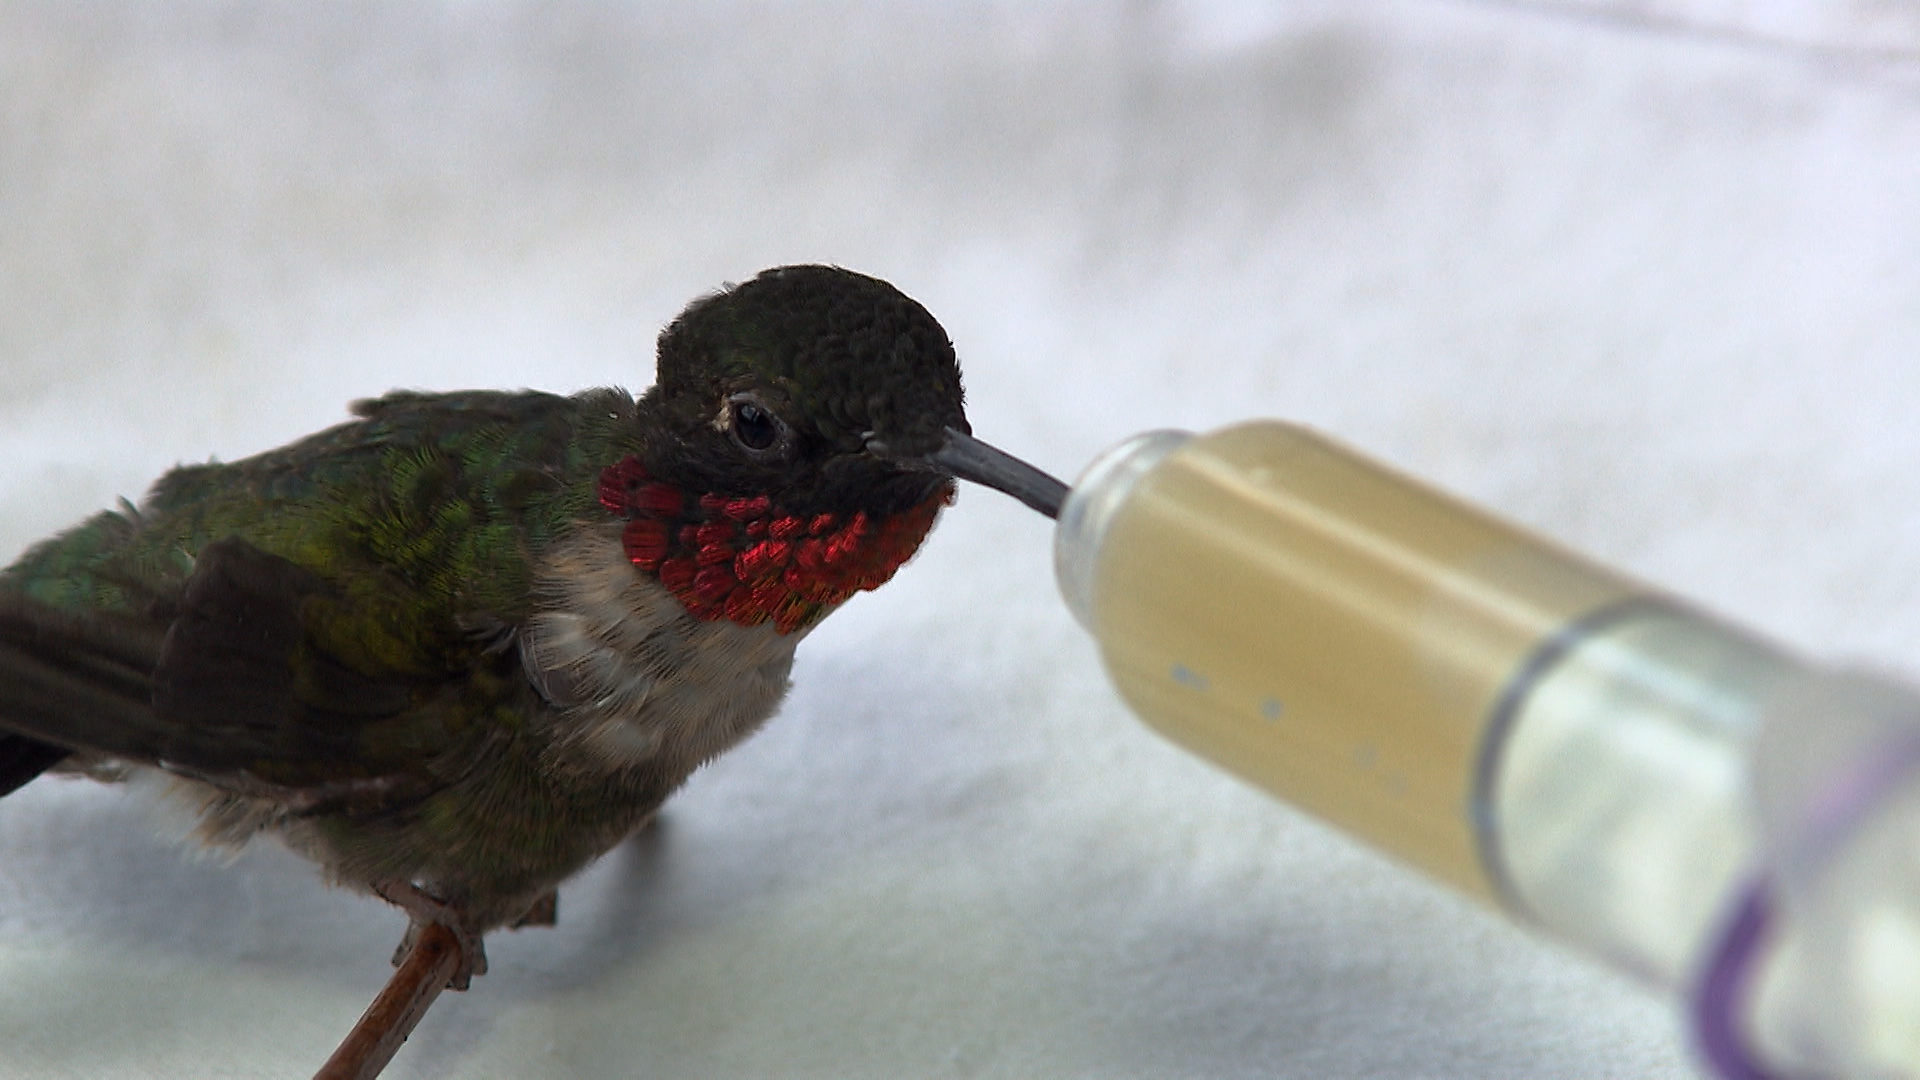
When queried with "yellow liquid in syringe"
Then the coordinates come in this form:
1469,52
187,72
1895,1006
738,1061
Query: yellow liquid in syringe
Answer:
1337,634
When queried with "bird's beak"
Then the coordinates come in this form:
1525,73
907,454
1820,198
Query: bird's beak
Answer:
968,458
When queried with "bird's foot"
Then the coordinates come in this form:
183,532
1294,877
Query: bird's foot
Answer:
424,910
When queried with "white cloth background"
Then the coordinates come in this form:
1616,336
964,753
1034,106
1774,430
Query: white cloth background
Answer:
1649,288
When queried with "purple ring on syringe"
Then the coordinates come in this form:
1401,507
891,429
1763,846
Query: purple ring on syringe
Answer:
1723,992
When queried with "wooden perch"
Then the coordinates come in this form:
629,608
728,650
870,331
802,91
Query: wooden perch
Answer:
397,1011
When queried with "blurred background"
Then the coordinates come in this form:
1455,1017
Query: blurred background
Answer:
1639,275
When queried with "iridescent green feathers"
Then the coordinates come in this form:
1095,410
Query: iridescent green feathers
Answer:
334,611
424,515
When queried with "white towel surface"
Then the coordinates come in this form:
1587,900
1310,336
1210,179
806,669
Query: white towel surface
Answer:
1639,275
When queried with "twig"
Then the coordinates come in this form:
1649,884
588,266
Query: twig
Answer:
394,1014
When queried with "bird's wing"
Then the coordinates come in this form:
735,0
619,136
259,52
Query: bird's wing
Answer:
66,681
230,687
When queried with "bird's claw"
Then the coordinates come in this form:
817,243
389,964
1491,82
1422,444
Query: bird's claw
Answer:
544,912
424,909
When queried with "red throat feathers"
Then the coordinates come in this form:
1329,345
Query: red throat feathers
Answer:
746,559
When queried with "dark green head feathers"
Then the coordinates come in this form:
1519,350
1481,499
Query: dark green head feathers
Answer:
810,383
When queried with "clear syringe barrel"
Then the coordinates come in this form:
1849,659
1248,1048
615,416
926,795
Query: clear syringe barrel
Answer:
1506,716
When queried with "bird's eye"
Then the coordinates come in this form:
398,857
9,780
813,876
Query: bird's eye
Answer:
754,427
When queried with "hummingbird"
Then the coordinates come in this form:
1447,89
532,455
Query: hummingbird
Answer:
457,648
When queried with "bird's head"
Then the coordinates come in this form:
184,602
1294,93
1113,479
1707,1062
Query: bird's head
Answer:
808,404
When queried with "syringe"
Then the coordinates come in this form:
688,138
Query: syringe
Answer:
1691,803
